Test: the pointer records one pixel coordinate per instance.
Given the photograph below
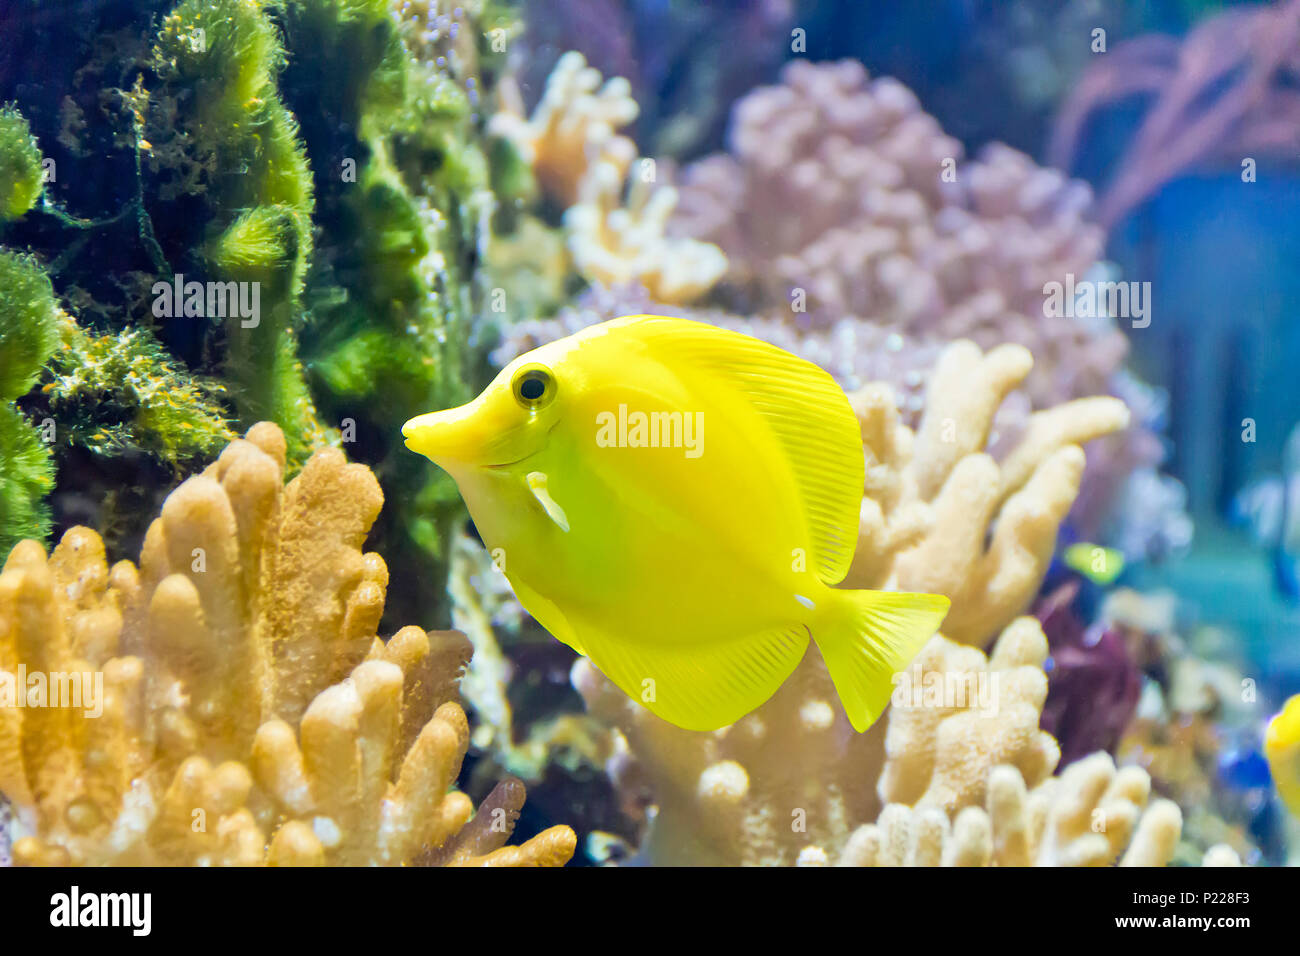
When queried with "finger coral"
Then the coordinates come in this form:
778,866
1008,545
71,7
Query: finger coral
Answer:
932,496
964,775
1091,815
790,776
248,712
574,125
616,239
960,714
617,212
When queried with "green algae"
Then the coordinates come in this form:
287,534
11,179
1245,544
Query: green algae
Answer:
121,391
21,173
28,336
218,108
401,176
324,151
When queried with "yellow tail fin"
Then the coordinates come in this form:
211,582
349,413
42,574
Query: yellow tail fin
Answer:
869,637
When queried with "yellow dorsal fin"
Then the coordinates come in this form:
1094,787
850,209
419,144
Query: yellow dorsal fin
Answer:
808,413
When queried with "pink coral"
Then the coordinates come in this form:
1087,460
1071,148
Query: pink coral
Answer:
1227,91
859,238
842,192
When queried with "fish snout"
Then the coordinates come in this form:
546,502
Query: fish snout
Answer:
438,436
465,435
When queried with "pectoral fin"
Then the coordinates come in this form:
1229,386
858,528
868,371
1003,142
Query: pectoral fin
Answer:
537,485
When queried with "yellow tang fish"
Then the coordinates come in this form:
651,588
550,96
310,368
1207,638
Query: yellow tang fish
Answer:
1099,565
1282,748
675,501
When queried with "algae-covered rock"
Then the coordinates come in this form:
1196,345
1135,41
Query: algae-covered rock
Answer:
28,328
114,392
218,110
265,211
20,165
28,335
403,198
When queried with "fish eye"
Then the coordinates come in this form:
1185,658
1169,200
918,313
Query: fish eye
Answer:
533,387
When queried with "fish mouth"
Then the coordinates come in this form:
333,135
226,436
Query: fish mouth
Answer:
451,435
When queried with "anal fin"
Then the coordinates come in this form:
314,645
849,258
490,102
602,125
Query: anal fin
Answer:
701,686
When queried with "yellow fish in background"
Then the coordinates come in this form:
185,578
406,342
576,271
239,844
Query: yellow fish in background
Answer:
1099,565
1282,748
675,501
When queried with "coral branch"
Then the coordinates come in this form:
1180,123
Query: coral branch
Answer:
244,689
932,498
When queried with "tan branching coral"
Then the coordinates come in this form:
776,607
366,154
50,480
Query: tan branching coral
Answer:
246,693
1088,816
616,238
788,783
961,714
931,497
791,777
785,785
617,211
575,124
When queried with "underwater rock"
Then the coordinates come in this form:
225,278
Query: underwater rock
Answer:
119,392
319,162
217,108
388,105
241,675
